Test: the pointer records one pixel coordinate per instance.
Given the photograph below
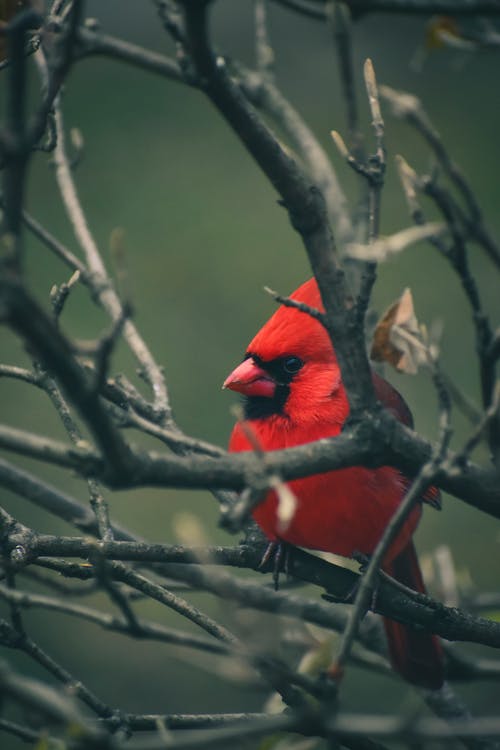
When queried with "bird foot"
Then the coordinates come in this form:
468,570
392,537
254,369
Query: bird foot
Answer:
362,559
279,553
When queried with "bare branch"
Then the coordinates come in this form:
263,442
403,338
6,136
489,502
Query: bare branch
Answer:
53,500
142,629
96,43
53,704
288,302
382,442
90,401
316,8
30,322
409,108
263,49
10,638
15,145
108,297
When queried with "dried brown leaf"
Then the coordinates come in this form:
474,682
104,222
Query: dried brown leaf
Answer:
398,338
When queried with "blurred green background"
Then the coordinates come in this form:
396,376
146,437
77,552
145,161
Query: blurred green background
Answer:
203,235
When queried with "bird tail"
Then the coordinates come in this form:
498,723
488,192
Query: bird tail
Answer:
417,656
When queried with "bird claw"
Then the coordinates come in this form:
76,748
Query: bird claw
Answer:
270,549
279,553
362,559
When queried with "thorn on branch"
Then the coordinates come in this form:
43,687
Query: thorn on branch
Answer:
59,294
494,348
50,142
264,52
78,143
372,169
119,257
106,346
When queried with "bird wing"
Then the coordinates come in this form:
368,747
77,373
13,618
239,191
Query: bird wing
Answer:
395,403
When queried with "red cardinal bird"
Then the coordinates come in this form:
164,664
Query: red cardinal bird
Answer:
293,394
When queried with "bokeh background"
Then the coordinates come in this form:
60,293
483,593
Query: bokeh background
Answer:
203,235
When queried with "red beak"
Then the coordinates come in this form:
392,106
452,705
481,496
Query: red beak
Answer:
251,380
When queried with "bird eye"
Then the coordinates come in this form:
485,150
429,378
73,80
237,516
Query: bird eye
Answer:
292,365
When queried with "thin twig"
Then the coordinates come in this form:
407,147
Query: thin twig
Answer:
108,296
458,258
52,500
409,108
10,638
339,16
315,8
264,53
15,146
375,178
288,302
55,705
141,629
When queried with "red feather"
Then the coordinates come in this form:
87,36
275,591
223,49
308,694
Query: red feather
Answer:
344,511
417,656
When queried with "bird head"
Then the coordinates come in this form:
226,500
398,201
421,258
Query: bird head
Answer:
289,368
